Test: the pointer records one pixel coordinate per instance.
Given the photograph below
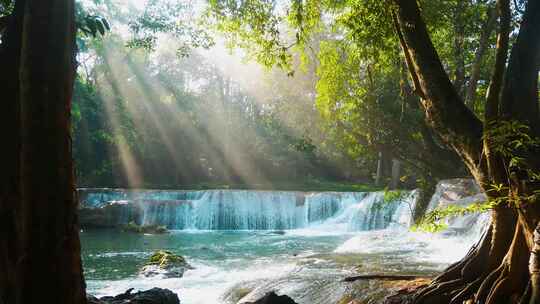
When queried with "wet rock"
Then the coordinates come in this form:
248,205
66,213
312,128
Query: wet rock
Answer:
151,296
460,192
109,215
273,298
456,191
235,295
166,264
240,291
150,229
117,214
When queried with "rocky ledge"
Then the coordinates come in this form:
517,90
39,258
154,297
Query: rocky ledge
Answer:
151,296
273,298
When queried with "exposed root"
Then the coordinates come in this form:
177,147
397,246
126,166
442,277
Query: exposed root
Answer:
526,294
479,278
485,287
467,291
455,281
492,272
439,293
392,277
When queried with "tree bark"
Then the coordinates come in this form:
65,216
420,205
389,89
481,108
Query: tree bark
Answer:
459,45
394,182
470,96
9,154
494,271
445,110
42,226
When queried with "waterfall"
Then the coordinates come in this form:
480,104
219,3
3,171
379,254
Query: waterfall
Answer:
461,192
254,210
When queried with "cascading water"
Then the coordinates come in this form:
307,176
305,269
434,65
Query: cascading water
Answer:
256,210
327,237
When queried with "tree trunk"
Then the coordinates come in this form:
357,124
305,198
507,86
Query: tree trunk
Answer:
9,154
379,174
43,245
470,96
459,44
494,271
394,182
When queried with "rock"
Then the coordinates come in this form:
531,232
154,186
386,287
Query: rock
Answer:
273,298
151,296
237,294
151,229
165,264
460,192
109,215
115,214
456,191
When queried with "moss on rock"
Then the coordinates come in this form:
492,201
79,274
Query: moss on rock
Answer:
165,263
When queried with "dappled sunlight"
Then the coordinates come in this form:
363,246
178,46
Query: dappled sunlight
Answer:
128,162
142,86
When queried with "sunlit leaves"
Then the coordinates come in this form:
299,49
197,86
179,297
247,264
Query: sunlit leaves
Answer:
168,17
6,7
436,220
255,26
92,25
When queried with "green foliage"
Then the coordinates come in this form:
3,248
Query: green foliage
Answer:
92,25
513,141
6,7
391,198
89,22
253,26
435,220
154,119
393,195
168,17
510,140
363,93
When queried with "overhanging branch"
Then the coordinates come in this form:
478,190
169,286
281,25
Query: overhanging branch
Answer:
445,110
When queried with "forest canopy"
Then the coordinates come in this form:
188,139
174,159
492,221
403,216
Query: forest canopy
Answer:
170,116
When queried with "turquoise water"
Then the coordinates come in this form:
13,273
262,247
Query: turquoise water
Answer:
330,236
306,264
221,259
114,255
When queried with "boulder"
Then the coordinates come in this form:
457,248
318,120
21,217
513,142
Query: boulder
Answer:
151,296
456,191
273,298
151,229
166,264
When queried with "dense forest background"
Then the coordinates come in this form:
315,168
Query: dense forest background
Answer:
169,116
162,118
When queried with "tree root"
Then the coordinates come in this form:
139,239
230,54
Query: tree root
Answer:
467,291
392,277
487,277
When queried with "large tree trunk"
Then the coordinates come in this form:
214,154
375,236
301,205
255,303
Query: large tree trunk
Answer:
494,271
483,43
9,153
40,258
